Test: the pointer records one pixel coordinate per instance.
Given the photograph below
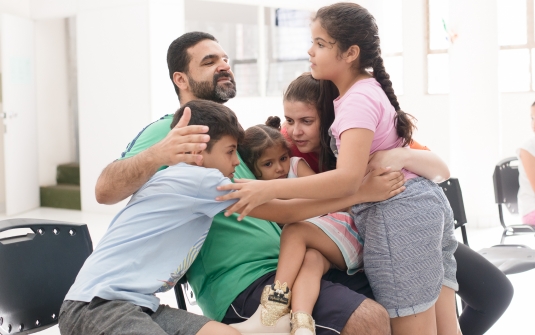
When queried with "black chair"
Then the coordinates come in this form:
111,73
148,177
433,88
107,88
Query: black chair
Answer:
506,187
452,190
508,258
37,270
179,293
182,292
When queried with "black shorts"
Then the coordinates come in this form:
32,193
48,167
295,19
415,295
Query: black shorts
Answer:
340,295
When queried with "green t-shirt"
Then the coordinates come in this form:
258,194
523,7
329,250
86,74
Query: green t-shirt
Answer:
234,254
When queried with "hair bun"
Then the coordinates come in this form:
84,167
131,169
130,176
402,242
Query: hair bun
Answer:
274,122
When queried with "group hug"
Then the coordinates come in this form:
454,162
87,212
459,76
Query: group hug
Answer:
329,221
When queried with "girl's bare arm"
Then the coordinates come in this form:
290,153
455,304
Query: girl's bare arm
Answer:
342,182
379,185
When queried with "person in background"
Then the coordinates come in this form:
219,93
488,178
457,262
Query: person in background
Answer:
526,177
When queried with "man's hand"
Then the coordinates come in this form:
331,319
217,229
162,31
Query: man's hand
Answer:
182,144
122,178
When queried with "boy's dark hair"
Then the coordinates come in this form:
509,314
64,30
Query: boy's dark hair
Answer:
259,138
178,57
351,24
220,120
313,92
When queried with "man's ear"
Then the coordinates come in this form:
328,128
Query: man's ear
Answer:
352,54
181,80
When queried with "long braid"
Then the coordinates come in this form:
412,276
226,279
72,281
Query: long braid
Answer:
404,122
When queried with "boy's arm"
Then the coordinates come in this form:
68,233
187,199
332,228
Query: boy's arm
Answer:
422,162
377,186
122,178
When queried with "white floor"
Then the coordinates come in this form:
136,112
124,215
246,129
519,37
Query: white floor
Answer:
516,320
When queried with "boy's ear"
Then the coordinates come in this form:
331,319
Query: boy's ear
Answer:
181,80
352,53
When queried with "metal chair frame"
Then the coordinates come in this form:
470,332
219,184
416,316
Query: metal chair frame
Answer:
506,187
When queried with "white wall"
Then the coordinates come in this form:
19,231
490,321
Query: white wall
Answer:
48,9
15,7
55,142
432,111
515,121
115,79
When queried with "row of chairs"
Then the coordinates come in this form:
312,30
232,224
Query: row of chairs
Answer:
38,268
509,258
506,187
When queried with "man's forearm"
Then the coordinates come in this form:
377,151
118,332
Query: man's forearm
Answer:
122,178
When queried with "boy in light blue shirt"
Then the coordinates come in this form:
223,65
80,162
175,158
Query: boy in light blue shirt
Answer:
151,243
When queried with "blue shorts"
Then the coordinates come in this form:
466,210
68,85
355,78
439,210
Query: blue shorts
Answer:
338,299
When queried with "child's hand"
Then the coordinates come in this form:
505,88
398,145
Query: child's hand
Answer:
382,184
252,193
394,158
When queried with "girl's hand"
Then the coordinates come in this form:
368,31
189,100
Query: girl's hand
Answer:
252,193
381,184
394,158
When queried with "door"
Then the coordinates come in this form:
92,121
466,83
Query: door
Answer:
19,111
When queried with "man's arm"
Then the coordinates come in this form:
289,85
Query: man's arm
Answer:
122,178
379,185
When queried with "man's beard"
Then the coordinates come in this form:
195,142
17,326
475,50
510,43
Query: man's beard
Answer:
213,91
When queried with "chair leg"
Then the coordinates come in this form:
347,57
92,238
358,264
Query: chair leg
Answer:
179,294
504,235
465,236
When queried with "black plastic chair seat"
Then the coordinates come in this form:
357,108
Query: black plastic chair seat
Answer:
38,269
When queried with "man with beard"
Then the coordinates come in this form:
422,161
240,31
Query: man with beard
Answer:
237,258
199,69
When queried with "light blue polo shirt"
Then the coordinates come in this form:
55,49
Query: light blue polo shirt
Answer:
152,242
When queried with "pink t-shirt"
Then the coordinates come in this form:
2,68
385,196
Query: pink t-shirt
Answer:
366,106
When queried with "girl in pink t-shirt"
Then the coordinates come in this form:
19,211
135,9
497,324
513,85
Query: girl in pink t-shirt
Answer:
408,239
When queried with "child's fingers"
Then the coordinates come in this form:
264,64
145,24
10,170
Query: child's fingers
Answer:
234,208
243,180
229,187
399,184
380,171
397,191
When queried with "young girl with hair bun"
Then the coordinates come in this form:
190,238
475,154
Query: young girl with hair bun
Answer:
409,240
266,153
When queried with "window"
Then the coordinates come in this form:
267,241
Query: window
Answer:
390,22
517,45
289,44
287,37
438,42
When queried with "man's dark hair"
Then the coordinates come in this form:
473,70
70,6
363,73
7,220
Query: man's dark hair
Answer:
178,57
220,120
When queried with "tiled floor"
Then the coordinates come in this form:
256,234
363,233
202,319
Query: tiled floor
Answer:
516,320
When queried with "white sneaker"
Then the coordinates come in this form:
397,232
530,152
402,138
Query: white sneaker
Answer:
272,316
